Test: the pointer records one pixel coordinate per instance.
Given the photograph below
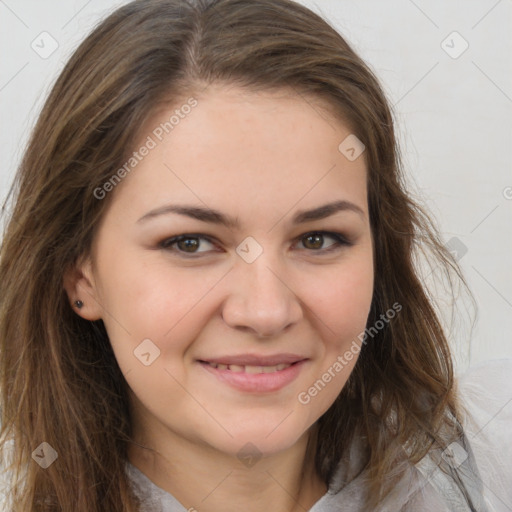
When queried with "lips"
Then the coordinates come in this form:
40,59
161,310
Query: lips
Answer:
255,360
261,377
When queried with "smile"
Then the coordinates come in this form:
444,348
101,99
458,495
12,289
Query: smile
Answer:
252,378
249,369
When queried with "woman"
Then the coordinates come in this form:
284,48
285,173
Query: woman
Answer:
209,294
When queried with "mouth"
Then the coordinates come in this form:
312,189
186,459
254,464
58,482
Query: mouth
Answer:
258,377
236,368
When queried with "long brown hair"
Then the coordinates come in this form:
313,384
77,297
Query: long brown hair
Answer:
60,380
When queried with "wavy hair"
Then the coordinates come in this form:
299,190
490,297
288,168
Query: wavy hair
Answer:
60,382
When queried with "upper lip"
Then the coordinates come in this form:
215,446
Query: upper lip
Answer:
255,360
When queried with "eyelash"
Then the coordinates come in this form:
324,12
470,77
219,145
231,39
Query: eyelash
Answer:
340,241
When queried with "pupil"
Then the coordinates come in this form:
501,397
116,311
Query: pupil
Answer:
189,244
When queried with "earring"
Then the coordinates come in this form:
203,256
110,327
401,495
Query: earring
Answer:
79,304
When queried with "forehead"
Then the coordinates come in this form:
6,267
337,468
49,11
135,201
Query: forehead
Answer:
243,149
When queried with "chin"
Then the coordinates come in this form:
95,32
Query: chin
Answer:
259,439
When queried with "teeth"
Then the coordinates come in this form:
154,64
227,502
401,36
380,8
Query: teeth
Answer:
250,369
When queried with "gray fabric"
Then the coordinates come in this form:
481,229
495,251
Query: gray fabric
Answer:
429,486
153,498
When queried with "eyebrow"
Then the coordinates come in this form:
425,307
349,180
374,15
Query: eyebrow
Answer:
216,217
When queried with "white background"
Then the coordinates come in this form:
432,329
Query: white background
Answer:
454,117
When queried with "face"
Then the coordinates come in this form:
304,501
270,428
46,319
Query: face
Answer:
218,248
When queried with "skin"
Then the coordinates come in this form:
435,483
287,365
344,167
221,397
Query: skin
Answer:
259,157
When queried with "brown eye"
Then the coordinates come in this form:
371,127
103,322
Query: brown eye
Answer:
314,241
188,244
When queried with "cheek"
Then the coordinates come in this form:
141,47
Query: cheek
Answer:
151,297
339,307
151,302
341,299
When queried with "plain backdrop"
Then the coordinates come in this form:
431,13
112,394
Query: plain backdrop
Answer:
446,69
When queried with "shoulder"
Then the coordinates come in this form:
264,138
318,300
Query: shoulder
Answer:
152,497
473,472
485,396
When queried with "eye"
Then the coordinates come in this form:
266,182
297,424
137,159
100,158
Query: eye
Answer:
186,243
315,240
189,244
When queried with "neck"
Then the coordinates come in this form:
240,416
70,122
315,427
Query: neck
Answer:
205,480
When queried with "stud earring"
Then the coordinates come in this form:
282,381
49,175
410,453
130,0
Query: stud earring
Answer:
79,304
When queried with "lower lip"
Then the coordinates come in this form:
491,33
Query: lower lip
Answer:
257,382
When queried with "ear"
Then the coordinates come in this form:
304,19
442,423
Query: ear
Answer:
78,281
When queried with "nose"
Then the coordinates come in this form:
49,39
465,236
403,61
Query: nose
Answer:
261,299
